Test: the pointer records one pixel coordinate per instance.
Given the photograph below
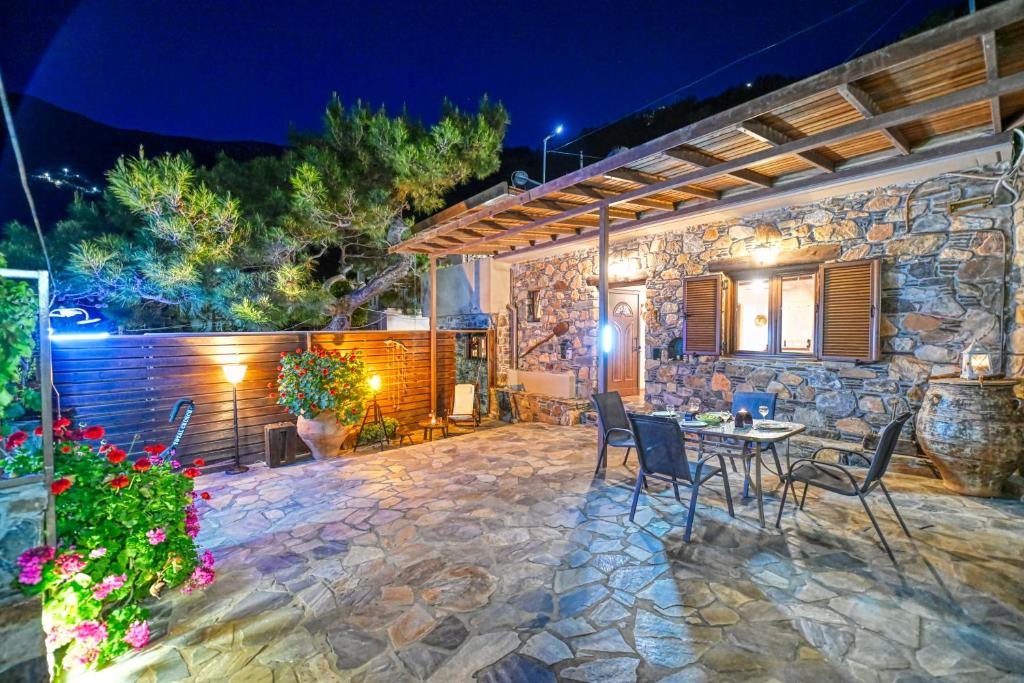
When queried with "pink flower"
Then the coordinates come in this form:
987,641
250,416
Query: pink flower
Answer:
97,553
156,536
202,576
31,562
80,656
137,634
69,564
108,585
90,631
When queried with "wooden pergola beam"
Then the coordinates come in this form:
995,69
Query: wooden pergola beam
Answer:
965,28
592,192
702,159
641,178
776,138
895,117
848,174
988,48
868,108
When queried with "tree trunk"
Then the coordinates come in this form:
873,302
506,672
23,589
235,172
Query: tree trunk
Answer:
344,306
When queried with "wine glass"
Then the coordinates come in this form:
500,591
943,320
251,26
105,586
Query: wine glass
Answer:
764,412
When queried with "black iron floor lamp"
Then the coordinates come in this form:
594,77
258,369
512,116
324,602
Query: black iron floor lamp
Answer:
235,373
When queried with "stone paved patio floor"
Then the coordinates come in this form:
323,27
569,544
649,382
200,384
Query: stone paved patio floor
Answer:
497,556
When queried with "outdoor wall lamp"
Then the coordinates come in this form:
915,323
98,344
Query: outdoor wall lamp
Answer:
765,255
235,373
607,339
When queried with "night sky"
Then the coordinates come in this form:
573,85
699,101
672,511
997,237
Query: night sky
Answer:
234,70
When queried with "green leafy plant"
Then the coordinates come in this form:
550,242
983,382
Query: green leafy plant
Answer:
126,528
371,432
314,381
18,311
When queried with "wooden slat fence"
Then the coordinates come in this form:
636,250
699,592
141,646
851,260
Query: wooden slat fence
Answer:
129,384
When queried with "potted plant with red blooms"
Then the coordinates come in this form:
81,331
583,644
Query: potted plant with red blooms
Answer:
126,529
326,391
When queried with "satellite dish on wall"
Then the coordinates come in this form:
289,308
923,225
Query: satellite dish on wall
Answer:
523,180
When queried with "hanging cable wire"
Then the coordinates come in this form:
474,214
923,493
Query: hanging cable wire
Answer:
876,31
720,69
13,137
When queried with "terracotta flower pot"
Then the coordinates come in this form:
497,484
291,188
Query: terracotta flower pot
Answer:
323,434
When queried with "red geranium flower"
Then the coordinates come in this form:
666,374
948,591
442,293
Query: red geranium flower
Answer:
38,431
191,472
142,464
198,462
119,482
62,423
205,495
65,448
116,455
16,439
94,433
61,485
155,449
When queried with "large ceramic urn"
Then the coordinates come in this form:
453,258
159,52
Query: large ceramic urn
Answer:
974,433
323,434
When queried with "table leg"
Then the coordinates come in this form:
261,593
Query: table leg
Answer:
757,481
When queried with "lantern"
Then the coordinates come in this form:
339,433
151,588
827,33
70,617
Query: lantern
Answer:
976,362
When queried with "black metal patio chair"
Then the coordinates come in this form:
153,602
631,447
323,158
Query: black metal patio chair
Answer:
614,425
844,481
662,455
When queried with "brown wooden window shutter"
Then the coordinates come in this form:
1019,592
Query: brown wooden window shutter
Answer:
848,315
702,315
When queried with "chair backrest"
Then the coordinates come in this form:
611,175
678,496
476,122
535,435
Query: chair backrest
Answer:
464,399
883,453
752,400
610,411
659,445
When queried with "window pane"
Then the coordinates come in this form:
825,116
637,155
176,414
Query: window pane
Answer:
797,316
752,315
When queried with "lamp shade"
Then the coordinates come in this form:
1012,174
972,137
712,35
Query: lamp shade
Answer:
375,383
235,372
976,362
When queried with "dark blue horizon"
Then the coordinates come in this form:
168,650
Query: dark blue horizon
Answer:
225,71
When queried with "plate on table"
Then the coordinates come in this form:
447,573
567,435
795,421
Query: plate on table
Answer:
692,423
664,413
771,425
710,418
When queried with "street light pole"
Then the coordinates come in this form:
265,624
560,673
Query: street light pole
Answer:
544,162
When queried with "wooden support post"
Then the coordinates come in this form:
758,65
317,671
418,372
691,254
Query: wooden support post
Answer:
433,335
602,299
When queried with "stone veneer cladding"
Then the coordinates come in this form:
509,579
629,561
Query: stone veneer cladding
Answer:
22,654
941,284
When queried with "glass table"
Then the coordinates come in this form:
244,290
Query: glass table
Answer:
752,440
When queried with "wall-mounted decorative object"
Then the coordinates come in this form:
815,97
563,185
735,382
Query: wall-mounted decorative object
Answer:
533,306
565,349
476,346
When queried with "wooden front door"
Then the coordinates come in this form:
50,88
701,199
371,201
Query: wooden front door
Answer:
624,362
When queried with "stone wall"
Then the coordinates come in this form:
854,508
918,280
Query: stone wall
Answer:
942,283
23,655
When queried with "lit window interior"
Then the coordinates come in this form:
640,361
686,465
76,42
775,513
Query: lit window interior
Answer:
752,315
797,324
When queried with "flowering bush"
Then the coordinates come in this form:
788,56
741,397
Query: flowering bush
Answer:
125,532
311,382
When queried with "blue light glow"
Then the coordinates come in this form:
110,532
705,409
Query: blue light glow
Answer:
607,339
73,336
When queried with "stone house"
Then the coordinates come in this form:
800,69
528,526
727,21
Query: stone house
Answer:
838,242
